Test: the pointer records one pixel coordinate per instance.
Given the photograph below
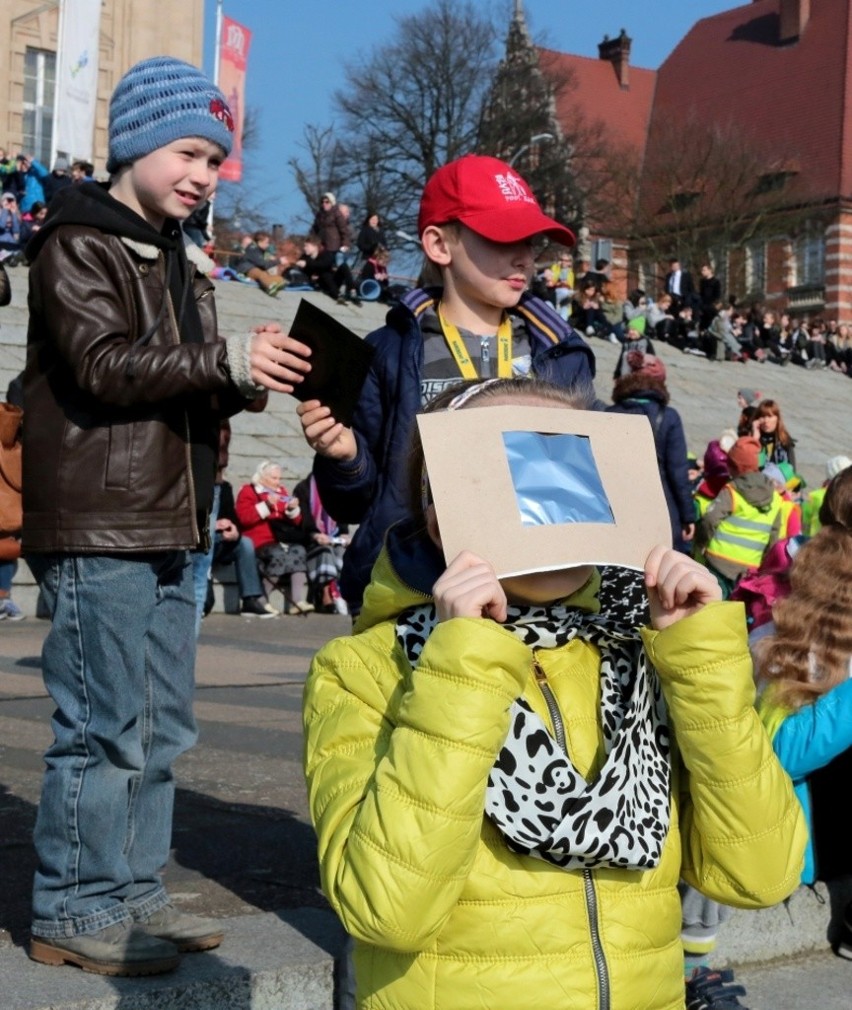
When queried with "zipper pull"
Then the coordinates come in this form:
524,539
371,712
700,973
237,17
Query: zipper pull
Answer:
540,675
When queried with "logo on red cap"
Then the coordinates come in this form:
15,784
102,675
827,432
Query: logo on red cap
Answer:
513,187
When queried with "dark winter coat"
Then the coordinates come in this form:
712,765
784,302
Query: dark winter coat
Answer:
639,394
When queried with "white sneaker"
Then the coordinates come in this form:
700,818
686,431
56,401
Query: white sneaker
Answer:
10,611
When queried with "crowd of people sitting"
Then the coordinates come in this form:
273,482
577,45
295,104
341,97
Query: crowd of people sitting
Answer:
277,541
328,260
27,187
695,320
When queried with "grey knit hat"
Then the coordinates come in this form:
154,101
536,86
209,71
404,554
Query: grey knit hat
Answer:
161,100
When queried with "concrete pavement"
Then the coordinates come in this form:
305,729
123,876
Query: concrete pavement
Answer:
243,849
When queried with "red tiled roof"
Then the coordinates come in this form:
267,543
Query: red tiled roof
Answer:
627,111
795,99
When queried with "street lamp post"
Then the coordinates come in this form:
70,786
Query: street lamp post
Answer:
535,139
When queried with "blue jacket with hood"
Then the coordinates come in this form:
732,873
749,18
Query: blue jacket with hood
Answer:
372,489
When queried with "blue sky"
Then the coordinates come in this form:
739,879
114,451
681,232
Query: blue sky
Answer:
299,47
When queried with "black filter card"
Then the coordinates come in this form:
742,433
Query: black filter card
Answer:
339,362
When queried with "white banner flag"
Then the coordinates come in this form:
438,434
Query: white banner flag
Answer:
77,78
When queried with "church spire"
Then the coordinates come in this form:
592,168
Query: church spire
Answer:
519,34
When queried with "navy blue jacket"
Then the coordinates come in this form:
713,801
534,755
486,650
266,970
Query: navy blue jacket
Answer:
670,443
372,489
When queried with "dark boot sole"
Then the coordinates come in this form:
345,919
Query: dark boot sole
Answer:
195,945
45,953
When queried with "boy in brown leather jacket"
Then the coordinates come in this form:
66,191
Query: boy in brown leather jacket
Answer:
127,381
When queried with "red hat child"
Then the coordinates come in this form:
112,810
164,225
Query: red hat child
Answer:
744,455
646,364
489,197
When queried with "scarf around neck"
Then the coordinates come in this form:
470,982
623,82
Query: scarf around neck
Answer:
535,796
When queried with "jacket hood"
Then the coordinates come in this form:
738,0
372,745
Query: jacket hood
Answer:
409,565
90,204
756,488
405,571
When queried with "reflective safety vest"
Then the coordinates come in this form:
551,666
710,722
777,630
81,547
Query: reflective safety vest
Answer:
702,503
743,536
810,519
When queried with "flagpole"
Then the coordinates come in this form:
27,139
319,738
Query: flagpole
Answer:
60,63
216,59
216,55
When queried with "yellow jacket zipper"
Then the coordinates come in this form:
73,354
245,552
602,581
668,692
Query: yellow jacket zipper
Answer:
589,891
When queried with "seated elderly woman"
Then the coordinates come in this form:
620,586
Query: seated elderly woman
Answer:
272,519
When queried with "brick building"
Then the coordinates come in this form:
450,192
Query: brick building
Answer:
771,79
130,30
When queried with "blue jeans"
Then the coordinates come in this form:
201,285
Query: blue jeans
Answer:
118,662
241,553
203,560
7,573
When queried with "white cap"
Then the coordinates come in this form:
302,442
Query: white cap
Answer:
836,465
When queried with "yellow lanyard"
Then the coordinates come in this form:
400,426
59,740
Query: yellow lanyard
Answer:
455,342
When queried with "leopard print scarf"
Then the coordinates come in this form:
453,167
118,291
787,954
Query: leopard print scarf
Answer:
537,799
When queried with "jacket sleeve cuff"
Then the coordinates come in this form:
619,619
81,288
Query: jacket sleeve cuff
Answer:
468,675
239,365
705,658
344,469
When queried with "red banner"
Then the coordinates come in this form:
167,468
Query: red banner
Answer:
233,59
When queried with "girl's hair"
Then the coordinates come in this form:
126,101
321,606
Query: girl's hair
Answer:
809,653
637,382
770,408
746,418
263,468
478,392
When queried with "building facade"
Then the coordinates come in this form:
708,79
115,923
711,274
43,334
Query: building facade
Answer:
130,30
737,151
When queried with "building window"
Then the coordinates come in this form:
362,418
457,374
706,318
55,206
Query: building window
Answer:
679,202
810,258
719,262
648,277
755,267
39,87
602,250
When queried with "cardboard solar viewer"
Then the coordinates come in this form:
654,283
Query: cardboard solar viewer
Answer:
534,489
339,363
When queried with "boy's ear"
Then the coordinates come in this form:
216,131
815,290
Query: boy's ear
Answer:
436,245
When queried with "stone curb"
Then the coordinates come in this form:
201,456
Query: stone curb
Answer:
269,961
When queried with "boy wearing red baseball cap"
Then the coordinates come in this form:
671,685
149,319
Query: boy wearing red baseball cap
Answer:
479,226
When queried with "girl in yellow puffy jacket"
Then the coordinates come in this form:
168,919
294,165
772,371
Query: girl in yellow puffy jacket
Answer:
507,784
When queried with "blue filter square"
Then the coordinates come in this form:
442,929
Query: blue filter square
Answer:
556,479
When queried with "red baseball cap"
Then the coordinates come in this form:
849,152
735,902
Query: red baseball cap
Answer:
489,197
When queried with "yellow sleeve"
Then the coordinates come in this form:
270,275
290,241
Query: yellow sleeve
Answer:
743,831
397,763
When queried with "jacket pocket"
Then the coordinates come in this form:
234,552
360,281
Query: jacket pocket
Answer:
119,454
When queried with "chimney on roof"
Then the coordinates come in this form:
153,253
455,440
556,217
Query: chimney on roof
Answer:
793,16
617,51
